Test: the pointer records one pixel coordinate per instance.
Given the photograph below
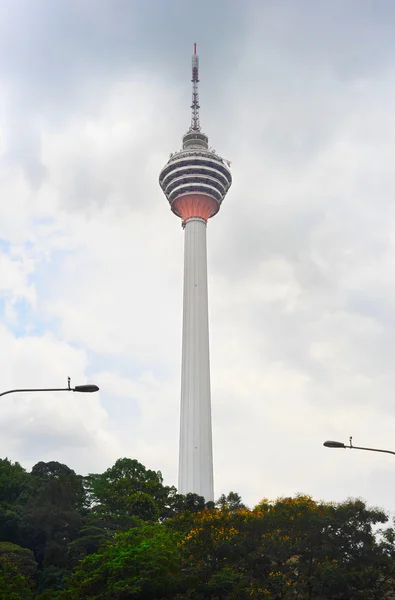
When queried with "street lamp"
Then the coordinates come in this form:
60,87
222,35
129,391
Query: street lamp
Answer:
332,444
86,389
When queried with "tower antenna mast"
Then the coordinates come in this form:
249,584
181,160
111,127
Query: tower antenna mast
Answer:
195,120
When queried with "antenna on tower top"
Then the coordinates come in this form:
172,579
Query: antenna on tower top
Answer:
195,124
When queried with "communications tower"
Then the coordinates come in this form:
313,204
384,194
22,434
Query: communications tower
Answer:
195,180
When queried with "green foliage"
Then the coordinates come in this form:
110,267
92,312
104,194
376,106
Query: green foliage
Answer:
125,475
14,486
52,578
21,558
230,502
13,585
291,548
13,481
143,506
128,488
48,519
112,491
98,528
51,515
325,550
124,535
142,563
193,503
10,524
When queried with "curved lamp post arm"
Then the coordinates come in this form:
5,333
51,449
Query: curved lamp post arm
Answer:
36,390
371,449
78,388
332,444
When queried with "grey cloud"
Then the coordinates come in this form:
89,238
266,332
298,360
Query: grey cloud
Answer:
299,97
56,45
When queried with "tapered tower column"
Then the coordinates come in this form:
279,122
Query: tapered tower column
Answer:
196,455
195,180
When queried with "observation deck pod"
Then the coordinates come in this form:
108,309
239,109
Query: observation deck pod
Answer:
195,180
195,139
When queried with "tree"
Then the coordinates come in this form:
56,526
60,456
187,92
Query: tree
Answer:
111,491
14,486
13,482
51,519
288,549
325,551
230,502
193,503
142,563
97,529
13,585
21,558
128,488
52,514
219,555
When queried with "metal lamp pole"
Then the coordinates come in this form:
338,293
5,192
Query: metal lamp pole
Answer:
86,389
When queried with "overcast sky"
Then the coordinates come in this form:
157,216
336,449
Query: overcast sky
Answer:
300,96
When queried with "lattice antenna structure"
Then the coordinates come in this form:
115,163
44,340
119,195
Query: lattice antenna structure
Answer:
195,120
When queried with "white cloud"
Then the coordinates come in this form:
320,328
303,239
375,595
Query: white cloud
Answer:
50,425
301,256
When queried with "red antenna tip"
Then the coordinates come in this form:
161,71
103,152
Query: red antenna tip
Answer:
194,48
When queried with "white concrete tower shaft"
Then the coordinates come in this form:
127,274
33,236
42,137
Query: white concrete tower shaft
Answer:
196,455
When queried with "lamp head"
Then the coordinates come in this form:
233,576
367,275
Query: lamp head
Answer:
86,389
332,444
